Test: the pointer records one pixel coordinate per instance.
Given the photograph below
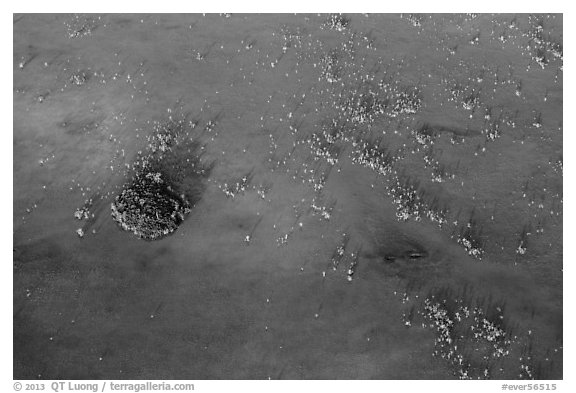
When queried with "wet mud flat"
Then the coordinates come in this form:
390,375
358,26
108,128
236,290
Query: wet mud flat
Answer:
288,196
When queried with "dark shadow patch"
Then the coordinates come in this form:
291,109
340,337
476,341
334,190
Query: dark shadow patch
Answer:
183,169
395,254
76,124
147,263
430,130
31,352
43,255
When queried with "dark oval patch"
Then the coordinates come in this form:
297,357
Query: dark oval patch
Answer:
149,207
168,181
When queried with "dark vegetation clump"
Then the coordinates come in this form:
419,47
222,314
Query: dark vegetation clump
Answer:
167,183
149,207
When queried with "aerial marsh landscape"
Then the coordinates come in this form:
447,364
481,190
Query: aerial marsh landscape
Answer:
287,196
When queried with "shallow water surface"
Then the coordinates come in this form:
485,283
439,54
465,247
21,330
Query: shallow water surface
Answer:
358,196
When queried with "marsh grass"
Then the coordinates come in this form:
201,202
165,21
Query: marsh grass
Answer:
474,335
338,22
373,154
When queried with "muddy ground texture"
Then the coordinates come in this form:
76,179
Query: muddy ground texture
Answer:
288,196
